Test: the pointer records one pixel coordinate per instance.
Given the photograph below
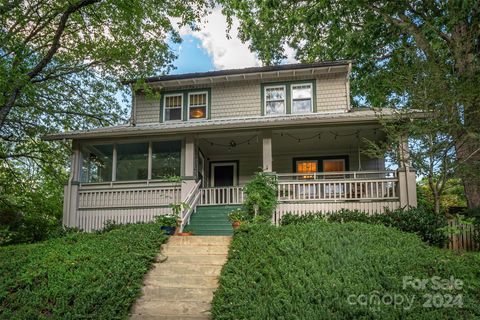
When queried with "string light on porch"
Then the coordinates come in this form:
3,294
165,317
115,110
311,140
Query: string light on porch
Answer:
319,135
232,143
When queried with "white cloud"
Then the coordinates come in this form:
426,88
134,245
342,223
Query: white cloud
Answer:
227,53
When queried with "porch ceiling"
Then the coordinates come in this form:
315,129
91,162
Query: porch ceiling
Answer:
290,140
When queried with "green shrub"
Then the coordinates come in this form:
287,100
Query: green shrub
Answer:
425,223
349,216
238,214
28,227
94,276
291,218
308,271
166,220
261,194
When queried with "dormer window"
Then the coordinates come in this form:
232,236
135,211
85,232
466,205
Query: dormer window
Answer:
197,105
275,100
301,98
173,107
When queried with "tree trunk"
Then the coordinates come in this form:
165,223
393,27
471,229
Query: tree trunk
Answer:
7,107
468,155
436,201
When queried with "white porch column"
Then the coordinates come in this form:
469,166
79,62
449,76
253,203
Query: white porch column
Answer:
267,151
407,185
188,179
70,196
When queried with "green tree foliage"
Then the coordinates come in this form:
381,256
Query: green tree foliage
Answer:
61,67
453,195
408,54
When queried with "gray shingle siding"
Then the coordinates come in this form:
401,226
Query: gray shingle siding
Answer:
243,98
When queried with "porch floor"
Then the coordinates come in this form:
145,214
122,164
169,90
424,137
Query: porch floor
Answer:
212,220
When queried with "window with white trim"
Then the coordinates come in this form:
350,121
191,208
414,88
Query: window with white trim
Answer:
197,105
173,105
302,98
275,100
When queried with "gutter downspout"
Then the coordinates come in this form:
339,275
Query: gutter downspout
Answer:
133,116
66,214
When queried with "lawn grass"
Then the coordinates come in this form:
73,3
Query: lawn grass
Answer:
92,276
310,271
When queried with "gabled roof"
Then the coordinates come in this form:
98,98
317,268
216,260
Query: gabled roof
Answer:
248,71
223,124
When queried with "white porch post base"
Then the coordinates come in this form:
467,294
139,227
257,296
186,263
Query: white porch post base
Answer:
407,187
70,205
267,151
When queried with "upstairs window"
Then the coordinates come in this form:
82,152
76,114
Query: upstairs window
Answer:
301,98
197,105
275,100
173,107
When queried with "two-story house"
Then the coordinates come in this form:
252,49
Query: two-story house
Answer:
201,136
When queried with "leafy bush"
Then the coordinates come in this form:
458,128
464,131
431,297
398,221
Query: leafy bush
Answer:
238,215
28,227
29,214
425,223
94,276
261,194
291,218
309,271
166,220
349,216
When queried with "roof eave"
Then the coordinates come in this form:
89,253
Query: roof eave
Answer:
250,73
132,131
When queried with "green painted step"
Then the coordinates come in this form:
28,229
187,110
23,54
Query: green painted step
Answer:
212,220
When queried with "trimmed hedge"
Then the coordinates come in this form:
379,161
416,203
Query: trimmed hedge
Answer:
425,223
309,271
94,276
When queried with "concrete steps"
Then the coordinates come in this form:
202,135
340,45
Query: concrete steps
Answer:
182,287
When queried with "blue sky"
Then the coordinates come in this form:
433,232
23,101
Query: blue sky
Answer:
192,57
209,48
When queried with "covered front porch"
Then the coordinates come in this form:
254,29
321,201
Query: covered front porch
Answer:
317,168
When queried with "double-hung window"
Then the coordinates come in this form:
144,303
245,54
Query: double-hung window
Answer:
302,98
275,100
173,107
197,105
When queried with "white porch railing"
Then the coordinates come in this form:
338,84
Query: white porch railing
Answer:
93,198
338,186
191,202
341,175
221,195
